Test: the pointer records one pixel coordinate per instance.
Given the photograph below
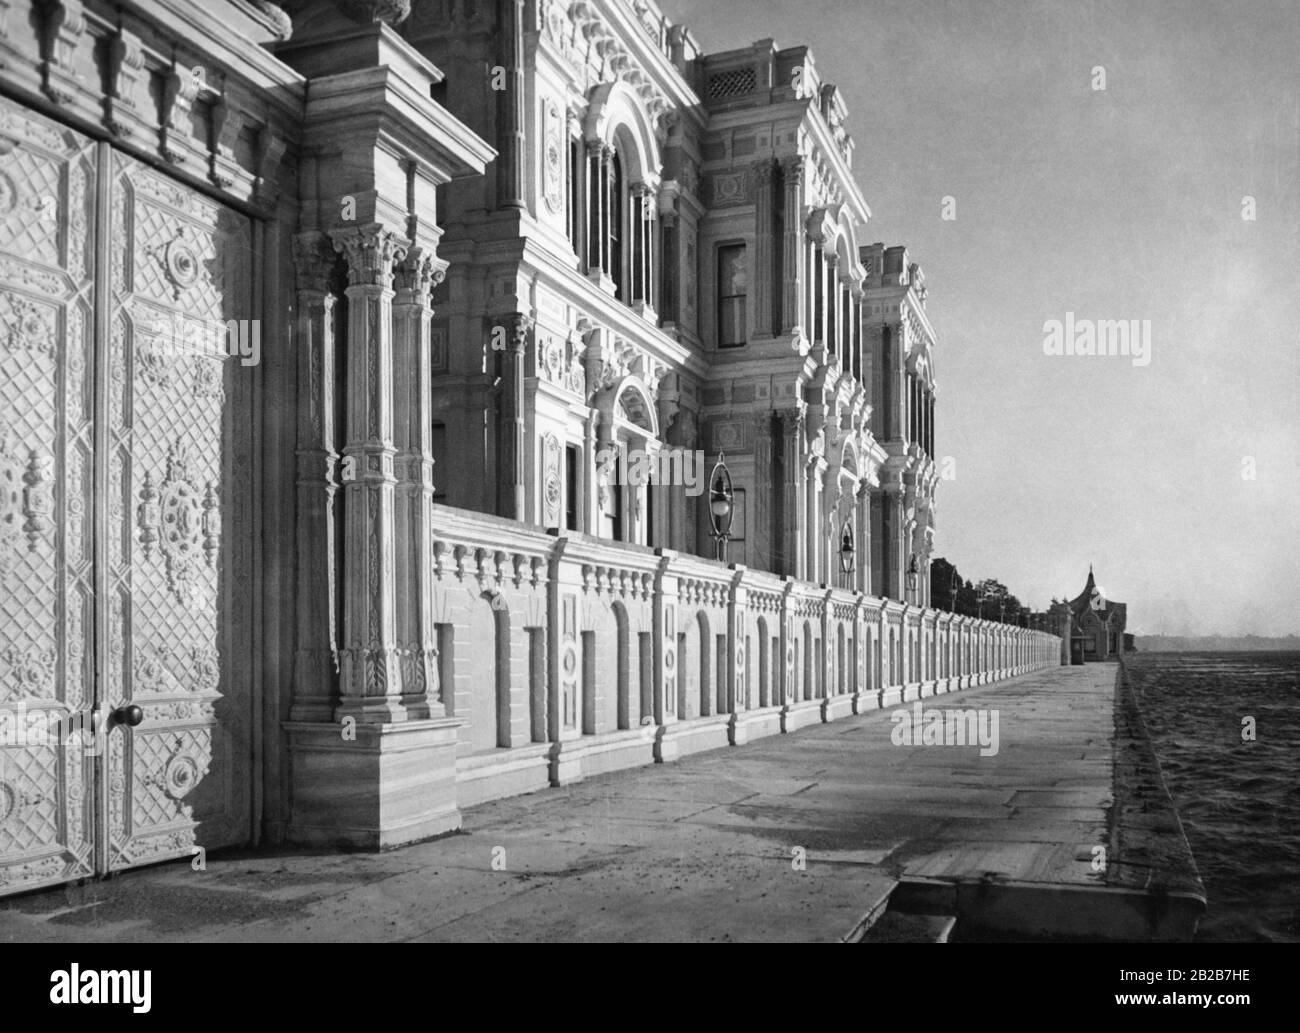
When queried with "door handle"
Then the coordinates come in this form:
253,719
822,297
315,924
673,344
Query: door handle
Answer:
129,715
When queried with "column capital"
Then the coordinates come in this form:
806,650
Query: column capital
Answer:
519,325
313,261
419,271
792,421
371,251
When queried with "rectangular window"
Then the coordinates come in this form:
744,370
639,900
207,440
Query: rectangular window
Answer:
733,283
571,487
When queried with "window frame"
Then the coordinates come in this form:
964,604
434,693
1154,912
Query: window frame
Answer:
742,313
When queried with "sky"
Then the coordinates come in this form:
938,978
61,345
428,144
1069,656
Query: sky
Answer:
1177,480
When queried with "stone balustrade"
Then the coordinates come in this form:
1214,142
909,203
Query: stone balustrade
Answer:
563,657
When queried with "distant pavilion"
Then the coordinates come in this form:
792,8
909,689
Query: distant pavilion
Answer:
1096,626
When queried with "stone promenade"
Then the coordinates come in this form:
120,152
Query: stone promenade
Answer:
796,837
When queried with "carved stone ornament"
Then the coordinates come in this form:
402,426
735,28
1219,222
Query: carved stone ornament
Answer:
25,498
553,167
180,521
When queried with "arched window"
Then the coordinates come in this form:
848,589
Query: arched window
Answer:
622,225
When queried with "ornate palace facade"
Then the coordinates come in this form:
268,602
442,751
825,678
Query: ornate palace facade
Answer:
667,256
330,335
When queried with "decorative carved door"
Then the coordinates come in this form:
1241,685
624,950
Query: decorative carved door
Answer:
125,511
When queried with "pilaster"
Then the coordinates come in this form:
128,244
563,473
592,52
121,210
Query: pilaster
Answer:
315,677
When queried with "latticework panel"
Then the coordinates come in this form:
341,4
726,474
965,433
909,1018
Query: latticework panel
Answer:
47,187
179,473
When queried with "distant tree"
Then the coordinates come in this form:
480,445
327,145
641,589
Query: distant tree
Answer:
943,575
987,594
997,599
966,600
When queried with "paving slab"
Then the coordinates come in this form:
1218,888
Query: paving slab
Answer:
809,836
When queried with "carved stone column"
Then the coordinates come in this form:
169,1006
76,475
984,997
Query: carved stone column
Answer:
606,208
648,233
315,674
897,372
370,668
831,291
510,106
636,246
668,300
594,197
510,467
862,531
792,311
895,544
814,571
592,520
817,299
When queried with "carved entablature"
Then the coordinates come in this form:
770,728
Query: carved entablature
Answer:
127,105
596,54
823,185
834,112
216,121
610,358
